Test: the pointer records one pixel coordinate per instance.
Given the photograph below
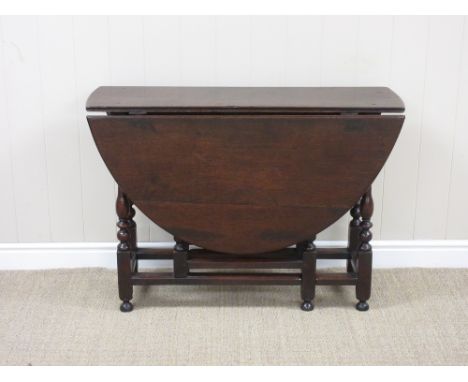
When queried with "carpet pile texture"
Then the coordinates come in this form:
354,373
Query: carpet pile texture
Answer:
72,317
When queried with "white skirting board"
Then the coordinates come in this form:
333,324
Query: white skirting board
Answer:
387,254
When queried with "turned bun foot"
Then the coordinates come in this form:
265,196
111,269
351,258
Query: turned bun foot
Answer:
362,306
307,306
126,306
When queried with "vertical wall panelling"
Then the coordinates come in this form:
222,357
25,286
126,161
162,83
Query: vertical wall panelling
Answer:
198,50
161,36
303,50
457,227
92,68
8,228
60,127
24,108
127,68
55,186
267,50
339,57
126,50
374,50
233,59
438,128
407,78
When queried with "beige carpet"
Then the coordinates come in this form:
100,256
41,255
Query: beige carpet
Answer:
71,317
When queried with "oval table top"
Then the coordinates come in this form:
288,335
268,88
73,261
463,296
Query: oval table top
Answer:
242,182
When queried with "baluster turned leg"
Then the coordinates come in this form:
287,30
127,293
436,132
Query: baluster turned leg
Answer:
364,257
180,254
125,249
354,232
309,261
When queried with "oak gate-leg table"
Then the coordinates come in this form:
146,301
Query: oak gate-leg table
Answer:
244,178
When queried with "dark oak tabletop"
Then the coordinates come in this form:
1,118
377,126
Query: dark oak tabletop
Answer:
244,100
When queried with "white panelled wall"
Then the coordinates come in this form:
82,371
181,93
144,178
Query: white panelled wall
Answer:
55,187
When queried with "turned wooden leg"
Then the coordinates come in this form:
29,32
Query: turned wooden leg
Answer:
125,249
180,253
133,236
354,232
364,256
309,261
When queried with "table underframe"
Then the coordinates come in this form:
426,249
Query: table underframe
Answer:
196,266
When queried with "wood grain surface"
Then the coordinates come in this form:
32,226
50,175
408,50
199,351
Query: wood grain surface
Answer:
245,184
229,100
